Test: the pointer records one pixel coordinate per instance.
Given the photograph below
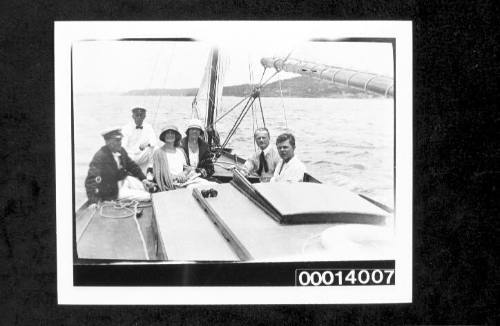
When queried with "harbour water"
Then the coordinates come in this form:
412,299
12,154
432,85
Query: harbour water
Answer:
345,142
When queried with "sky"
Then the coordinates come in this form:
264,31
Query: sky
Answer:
120,66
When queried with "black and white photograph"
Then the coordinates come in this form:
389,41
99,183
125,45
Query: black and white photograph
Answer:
268,162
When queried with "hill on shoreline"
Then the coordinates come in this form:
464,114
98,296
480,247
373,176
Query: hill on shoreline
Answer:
294,87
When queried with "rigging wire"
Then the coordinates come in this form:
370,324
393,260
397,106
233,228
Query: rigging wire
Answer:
238,121
250,104
155,67
283,104
262,77
254,117
262,112
231,109
167,74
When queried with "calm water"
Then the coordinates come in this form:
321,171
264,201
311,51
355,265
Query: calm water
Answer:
346,142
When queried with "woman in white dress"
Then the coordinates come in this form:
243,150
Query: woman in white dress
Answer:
170,168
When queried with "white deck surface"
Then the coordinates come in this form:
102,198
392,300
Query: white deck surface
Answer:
188,234
311,198
186,231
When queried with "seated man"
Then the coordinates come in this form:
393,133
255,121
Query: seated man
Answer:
139,139
264,161
113,175
290,168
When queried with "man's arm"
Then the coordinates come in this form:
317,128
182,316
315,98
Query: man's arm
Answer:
93,180
131,166
276,177
151,136
249,165
296,171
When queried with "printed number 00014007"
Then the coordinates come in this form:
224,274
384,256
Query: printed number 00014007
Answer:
338,277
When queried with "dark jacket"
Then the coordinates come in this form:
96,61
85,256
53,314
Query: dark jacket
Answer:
204,156
103,176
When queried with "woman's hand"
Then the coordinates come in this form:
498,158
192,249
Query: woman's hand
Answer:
147,184
181,178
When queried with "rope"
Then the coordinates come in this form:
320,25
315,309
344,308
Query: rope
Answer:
262,112
238,121
150,84
254,122
164,83
144,246
120,206
283,104
262,77
231,109
221,165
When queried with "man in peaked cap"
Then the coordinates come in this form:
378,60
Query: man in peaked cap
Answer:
113,175
139,139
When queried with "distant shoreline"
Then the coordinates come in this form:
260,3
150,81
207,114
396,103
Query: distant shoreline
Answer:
298,87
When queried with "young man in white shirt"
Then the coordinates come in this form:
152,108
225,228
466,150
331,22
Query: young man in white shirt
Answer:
290,168
139,139
264,161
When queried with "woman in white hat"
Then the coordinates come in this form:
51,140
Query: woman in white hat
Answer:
169,160
197,152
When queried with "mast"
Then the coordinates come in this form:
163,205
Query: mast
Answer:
349,78
212,96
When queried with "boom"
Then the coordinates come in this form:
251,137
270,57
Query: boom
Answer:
349,78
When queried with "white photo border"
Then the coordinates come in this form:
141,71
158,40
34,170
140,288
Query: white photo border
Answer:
251,31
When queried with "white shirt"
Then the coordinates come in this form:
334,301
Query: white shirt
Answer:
272,158
116,156
193,157
133,137
293,170
176,161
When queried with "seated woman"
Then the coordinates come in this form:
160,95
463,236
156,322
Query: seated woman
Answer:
196,149
169,163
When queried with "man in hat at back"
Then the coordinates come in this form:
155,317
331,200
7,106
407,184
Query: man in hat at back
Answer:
139,139
113,175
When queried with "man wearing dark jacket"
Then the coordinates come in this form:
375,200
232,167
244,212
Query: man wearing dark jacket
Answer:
113,175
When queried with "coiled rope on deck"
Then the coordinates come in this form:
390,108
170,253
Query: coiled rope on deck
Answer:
120,205
119,209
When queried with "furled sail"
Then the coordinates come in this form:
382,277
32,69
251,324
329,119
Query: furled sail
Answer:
349,78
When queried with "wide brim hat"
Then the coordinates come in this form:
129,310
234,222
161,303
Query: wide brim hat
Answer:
112,132
178,135
195,124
